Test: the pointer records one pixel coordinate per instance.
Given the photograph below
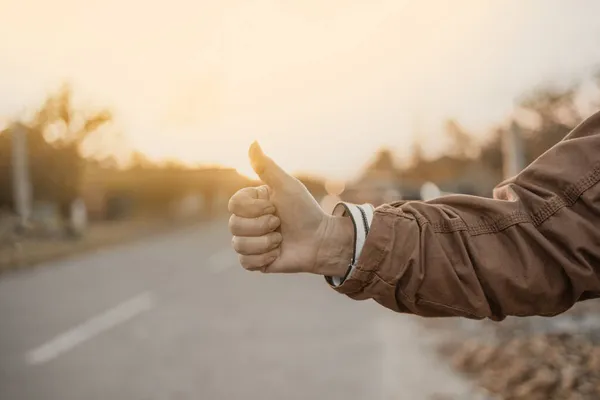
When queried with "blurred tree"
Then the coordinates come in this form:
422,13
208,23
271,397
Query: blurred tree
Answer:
384,161
490,155
55,135
383,169
544,116
553,113
461,142
139,160
417,155
6,191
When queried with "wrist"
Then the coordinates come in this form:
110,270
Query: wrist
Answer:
337,247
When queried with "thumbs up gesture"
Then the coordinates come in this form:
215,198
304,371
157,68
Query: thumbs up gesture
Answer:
279,227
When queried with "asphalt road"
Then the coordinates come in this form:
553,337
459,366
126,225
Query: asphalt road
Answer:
175,317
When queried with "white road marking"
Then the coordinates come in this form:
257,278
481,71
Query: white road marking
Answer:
90,328
222,260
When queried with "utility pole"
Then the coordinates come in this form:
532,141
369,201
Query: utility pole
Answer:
20,174
513,154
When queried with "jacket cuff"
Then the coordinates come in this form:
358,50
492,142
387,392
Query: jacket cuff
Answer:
361,217
365,281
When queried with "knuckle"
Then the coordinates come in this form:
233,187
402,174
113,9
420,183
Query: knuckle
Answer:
238,244
273,240
239,200
244,262
232,223
265,242
236,225
264,225
248,207
248,263
244,192
265,259
256,204
262,192
233,204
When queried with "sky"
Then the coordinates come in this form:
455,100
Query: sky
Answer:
321,84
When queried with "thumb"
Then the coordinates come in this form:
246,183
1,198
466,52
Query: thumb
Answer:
268,171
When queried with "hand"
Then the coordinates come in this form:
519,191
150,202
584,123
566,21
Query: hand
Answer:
281,228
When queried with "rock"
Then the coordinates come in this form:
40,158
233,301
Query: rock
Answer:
568,377
593,361
540,384
484,355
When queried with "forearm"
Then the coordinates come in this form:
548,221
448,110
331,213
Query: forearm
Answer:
334,255
534,250
432,270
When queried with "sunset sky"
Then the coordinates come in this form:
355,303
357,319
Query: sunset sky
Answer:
321,84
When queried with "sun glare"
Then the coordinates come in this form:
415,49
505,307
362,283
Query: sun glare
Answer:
247,171
199,81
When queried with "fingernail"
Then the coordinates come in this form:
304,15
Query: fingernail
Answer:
262,192
277,239
273,222
255,149
255,153
271,259
270,210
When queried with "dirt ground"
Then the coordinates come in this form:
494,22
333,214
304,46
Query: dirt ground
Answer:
529,358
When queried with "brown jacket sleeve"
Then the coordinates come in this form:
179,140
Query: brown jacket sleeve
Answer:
532,250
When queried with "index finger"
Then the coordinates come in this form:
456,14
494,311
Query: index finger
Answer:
250,203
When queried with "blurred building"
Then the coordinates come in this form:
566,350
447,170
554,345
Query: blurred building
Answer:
454,175
382,182
112,193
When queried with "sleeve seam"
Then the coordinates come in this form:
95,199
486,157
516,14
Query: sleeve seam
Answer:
434,303
567,198
370,273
